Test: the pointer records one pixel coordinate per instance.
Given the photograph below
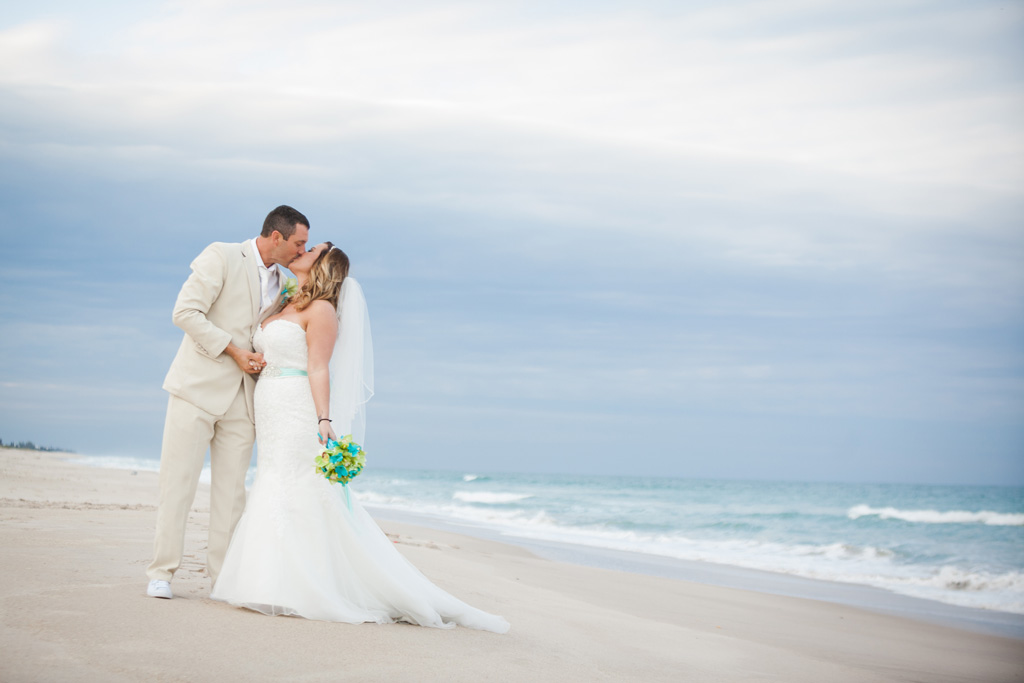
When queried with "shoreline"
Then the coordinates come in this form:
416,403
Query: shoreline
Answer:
869,598
77,540
709,572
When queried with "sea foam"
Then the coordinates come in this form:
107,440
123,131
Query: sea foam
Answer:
489,497
121,462
841,562
937,517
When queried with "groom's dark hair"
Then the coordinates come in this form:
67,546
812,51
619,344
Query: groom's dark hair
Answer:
283,219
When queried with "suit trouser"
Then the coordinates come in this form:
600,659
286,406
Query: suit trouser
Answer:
188,432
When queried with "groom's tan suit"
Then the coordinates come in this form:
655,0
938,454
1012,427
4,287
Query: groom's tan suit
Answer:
211,402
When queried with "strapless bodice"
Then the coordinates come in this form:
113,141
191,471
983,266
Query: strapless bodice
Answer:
283,344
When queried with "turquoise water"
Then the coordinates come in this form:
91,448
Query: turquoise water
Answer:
960,545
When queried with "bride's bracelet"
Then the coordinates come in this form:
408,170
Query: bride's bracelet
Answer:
322,419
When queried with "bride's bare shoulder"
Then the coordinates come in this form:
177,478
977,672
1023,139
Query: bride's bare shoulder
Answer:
321,308
320,314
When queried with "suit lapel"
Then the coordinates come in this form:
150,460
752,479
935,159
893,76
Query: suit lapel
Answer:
252,271
273,309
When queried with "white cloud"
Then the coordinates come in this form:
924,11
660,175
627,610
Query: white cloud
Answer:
870,98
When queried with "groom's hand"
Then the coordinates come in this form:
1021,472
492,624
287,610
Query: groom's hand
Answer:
249,361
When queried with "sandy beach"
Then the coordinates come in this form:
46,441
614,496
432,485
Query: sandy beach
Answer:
76,541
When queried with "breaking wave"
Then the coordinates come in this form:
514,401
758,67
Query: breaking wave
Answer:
935,517
489,497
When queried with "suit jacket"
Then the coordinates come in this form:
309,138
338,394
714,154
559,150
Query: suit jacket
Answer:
219,303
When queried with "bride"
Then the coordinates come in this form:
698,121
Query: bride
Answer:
304,547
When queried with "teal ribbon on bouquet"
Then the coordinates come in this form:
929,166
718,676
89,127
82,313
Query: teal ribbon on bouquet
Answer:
340,462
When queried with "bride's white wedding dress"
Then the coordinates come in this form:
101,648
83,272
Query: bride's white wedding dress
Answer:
303,547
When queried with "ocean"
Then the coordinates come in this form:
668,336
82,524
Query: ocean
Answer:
957,545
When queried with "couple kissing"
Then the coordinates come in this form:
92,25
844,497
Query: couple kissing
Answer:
288,370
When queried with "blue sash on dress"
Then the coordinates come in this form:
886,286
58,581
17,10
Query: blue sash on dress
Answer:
275,371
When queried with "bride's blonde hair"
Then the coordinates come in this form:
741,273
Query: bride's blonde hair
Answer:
326,275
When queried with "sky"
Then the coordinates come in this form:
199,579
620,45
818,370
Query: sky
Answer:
757,240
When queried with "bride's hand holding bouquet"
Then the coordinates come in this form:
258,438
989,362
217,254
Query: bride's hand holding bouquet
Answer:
324,431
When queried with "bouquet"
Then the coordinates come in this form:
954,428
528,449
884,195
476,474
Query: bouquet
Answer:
341,461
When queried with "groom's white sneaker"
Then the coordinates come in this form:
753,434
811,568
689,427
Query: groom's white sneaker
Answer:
159,589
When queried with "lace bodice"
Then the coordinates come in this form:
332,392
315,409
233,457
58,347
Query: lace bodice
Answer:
283,345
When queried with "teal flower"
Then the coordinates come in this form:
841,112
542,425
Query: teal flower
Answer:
341,460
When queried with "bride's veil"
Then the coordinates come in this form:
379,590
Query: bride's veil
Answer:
351,364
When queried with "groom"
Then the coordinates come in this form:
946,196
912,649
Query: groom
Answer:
232,288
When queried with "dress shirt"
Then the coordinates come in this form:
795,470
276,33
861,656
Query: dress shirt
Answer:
270,281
